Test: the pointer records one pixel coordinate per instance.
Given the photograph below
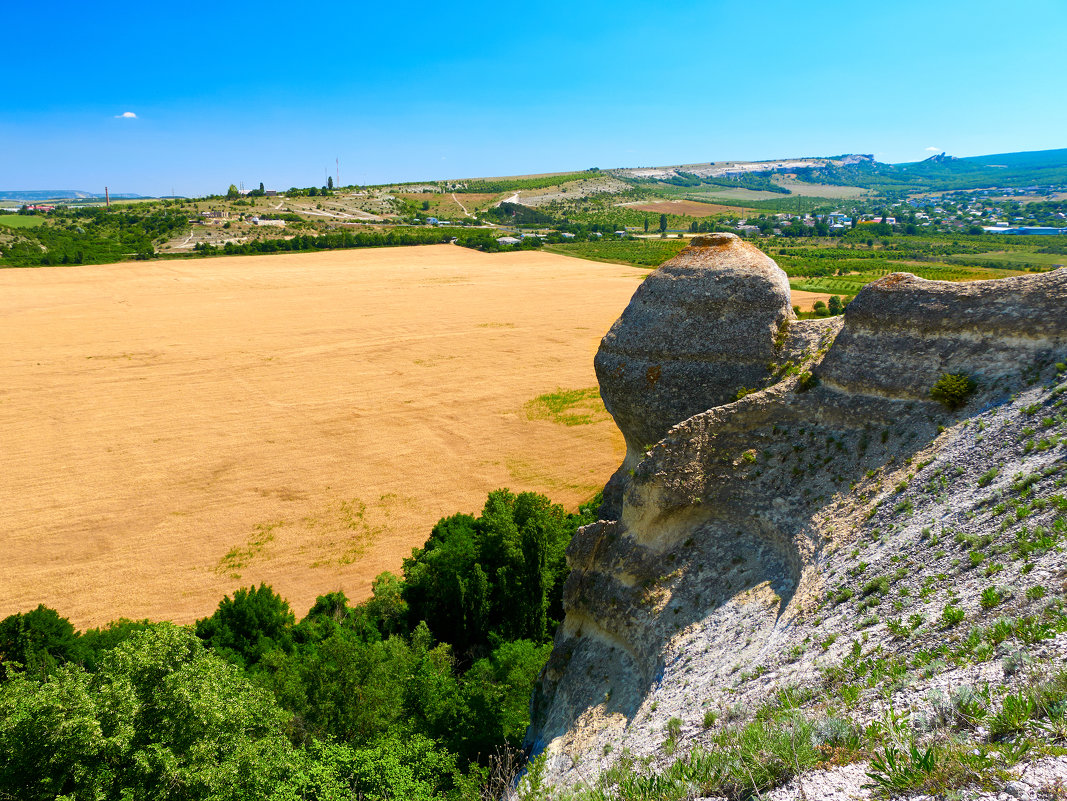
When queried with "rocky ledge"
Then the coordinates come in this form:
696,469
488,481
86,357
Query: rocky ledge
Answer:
759,448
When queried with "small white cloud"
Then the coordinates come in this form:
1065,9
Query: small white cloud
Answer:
933,149
126,115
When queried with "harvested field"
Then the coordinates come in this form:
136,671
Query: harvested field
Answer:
175,430
692,208
806,300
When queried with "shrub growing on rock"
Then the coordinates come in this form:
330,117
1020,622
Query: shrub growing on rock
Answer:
953,389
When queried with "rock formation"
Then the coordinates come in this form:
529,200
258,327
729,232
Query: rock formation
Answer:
698,330
719,528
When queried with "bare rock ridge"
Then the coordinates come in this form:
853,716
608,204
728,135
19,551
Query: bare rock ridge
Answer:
714,538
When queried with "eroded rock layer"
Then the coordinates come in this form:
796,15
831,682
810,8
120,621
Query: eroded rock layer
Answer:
698,329
715,537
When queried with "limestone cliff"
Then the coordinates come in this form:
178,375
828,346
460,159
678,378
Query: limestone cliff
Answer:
762,452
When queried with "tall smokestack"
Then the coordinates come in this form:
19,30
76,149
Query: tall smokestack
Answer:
107,197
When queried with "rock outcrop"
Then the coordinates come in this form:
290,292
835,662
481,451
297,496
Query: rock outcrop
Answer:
719,528
698,330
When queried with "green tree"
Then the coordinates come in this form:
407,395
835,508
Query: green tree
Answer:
38,641
501,573
329,183
162,718
249,625
662,223
233,192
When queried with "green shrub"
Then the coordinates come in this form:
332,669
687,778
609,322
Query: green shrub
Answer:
807,381
953,390
952,616
991,597
879,585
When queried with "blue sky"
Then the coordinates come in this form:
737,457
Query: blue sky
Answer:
274,92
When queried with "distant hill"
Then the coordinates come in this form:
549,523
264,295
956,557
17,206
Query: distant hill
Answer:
39,195
945,173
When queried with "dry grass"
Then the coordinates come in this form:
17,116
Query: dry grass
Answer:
819,190
175,430
444,206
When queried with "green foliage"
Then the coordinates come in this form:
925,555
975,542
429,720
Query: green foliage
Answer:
341,240
94,236
991,597
952,616
807,381
162,718
492,186
953,390
249,625
37,641
377,708
738,763
501,573
896,770
638,252
517,214
570,407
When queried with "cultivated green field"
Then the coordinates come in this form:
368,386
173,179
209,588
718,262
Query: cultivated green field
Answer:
1020,258
20,220
852,283
638,252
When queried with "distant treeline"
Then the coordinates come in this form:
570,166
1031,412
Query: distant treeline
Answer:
411,694
490,187
334,241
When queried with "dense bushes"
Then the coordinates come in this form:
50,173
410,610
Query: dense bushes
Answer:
500,574
406,695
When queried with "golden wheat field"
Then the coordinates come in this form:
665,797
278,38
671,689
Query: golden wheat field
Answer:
174,430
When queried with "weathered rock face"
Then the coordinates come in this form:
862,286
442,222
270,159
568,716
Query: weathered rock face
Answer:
698,329
712,550
904,332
